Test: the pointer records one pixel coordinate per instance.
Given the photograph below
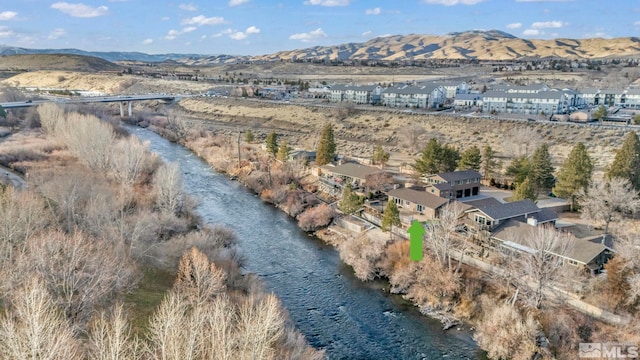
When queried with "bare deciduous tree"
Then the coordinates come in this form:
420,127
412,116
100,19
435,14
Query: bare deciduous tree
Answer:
261,324
198,279
170,196
606,202
130,159
80,273
22,214
52,117
362,254
521,141
440,236
409,137
110,338
538,268
89,139
34,327
505,334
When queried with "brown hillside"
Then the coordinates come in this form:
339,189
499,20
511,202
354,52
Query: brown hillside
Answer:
63,62
480,45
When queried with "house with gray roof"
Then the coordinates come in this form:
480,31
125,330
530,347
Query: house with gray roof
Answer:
488,218
333,179
467,101
418,201
454,185
513,237
549,102
357,94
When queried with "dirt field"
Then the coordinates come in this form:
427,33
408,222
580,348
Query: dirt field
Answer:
360,131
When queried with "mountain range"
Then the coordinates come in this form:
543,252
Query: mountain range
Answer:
470,45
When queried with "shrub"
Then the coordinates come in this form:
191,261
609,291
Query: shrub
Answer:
316,217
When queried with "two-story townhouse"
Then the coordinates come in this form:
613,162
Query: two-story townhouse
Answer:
632,99
590,96
467,101
426,96
453,88
454,185
337,93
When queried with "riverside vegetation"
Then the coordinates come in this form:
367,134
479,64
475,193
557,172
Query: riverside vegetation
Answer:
507,326
104,257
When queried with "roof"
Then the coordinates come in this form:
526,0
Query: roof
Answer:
352,170
514,233
418,197
468,96
442,186
510,210
551,94
481,203
458,175
545,215
424,89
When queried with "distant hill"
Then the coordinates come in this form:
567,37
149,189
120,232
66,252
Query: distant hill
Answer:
480,45
56,62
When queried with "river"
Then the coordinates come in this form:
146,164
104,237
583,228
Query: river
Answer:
336,312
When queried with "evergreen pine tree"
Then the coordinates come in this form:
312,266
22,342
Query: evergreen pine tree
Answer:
525,190
574,175
326,147
437,158
600,113
272,143
248,136
470,159
541,173
391,217
488,162
519,169
350,202
626,164
380,156
283,151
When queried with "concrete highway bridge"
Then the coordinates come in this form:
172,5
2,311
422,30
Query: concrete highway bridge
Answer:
122,99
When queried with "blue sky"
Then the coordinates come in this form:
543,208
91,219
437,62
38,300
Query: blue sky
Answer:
253,27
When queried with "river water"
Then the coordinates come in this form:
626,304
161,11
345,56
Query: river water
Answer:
328,304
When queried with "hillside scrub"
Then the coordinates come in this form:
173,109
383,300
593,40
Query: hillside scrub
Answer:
78,240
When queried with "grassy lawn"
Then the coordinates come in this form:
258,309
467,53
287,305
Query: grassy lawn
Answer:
143,301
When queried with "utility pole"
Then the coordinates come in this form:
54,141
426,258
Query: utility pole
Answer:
239,134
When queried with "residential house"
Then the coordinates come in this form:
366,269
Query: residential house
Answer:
631,99
549,102
417,201
426,96
454,185
333,179
489,217
467,101
367,94
512,237
453,88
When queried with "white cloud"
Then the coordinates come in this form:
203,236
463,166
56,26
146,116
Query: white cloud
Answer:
80,9
307,37
201,20
531,32
328,2
252,30
164,18
367,33
514,26
237,2
637,23
8,15
188,7
147,41
238,35
172,34
374,11
57,33
548,25
452,2
5,32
